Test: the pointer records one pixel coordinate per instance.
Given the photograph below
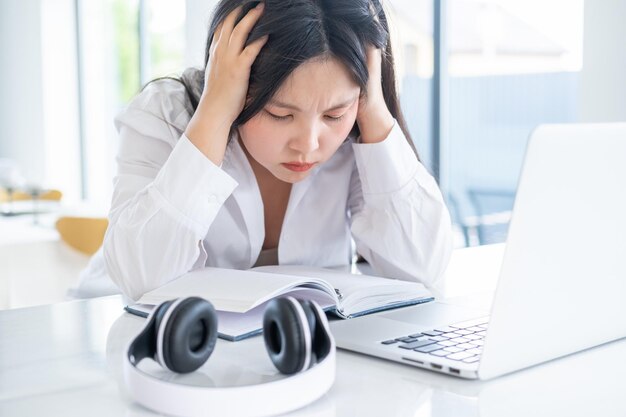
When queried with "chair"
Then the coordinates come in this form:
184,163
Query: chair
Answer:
493,209
84,234
21,195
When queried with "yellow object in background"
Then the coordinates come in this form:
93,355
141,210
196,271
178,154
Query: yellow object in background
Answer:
84,234
20,195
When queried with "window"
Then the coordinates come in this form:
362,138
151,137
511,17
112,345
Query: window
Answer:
411,27
123,45
510,68
507,68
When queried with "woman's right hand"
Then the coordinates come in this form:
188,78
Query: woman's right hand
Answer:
225,84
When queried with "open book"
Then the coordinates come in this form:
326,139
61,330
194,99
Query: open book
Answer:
240,296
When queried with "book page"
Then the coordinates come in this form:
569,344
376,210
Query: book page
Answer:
230,289
346,282
358,293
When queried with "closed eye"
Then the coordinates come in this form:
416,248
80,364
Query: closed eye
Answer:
277,117
288,116
334,118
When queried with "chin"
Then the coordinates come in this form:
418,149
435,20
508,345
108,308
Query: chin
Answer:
291,177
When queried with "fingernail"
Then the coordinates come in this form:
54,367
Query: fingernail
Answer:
259,6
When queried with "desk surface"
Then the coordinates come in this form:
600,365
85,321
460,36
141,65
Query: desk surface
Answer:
35,266
66,359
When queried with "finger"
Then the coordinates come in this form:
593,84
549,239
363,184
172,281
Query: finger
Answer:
216,36
242,30
373,53
374,60
253,49
229,22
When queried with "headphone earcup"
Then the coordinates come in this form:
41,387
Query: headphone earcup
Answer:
287,334
187,334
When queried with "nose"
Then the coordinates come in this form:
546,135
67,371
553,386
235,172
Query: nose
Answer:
305,141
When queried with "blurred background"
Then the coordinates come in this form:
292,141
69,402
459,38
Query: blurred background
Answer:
476,77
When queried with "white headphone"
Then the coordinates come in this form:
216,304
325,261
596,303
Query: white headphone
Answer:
181,334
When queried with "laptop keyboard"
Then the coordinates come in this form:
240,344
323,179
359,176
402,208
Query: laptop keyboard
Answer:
460,342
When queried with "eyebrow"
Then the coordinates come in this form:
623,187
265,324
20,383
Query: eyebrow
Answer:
281,104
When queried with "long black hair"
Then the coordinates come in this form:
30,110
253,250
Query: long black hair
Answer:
300,30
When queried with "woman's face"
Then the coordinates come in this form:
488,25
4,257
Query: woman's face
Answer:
305,122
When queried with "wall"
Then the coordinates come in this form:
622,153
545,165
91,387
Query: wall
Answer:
602,95
198,13
38,92
21,95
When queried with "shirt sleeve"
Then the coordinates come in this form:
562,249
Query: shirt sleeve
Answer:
399,221
166,195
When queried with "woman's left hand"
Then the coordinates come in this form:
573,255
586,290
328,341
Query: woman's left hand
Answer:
373,117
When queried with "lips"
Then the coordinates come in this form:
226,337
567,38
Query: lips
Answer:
297,167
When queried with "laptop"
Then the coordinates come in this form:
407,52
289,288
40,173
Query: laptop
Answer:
562,283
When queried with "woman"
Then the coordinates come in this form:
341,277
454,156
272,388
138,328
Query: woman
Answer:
288,147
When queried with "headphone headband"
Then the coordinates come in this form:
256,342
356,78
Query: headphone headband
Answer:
265,399
306,332
161,330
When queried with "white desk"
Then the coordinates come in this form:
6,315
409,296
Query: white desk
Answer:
36,267
65,359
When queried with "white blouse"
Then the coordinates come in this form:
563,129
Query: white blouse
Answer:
173,210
